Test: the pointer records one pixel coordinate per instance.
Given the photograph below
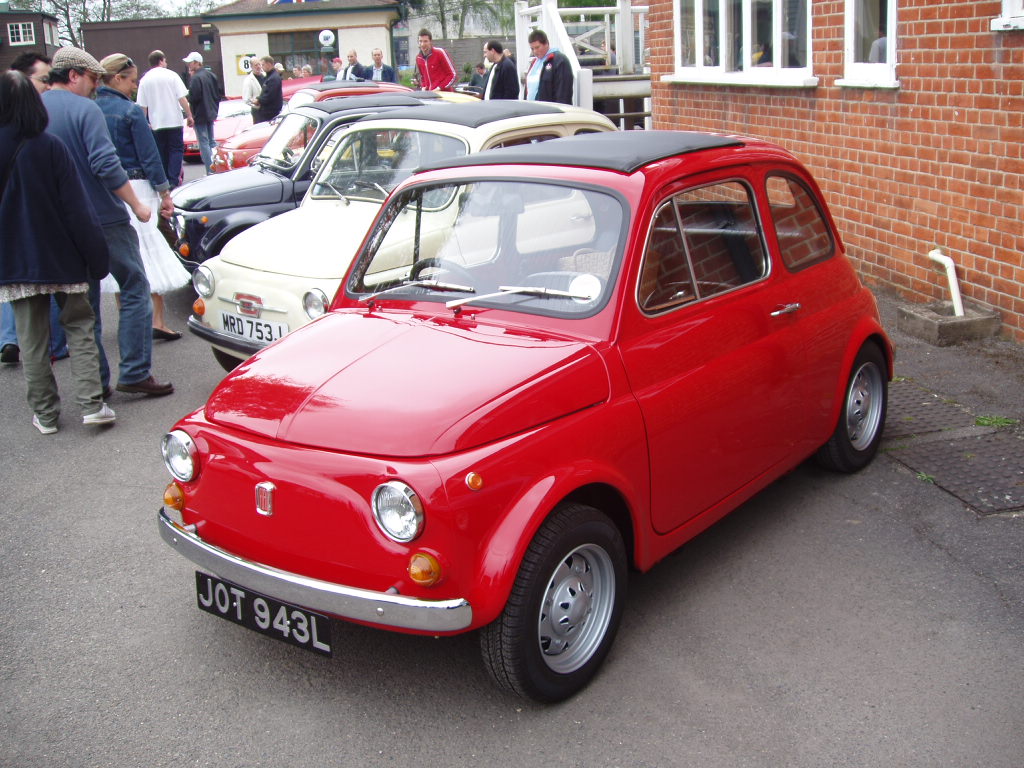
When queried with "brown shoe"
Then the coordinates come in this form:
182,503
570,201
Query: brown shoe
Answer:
148,386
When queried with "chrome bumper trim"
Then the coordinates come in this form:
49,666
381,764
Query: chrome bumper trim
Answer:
323,596
221,339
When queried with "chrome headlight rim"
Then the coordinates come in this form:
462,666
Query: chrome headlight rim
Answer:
398,511
181,456
203,281
315,303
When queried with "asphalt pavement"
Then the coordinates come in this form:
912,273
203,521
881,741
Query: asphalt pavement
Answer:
866,620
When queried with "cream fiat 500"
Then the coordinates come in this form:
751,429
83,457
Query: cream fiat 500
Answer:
282,273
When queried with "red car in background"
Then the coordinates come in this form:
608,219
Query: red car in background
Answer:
241,147
234,116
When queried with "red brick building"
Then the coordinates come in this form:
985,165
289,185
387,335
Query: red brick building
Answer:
909,112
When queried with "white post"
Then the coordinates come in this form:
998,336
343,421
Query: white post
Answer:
624,51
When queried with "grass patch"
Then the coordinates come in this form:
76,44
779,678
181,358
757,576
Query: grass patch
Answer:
994,421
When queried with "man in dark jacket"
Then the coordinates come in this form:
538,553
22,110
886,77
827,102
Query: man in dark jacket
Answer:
550,76
502,80
271,99
203,98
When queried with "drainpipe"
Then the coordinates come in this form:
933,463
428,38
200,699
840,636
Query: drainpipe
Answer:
954,288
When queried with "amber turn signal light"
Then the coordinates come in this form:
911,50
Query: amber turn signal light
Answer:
184,250
174,497
199,307
424,569
474,481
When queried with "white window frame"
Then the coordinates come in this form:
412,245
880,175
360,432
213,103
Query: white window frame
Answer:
860,74
1012,18
774,76
19,28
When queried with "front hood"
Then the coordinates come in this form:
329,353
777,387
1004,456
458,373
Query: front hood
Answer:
250,138
316,240
234,189
394,384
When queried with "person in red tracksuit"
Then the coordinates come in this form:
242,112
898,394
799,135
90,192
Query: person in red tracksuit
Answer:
437,73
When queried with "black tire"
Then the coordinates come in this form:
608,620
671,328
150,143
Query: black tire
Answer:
227,362
862,417
564,610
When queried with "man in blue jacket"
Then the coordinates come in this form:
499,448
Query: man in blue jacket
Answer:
271,98
79,123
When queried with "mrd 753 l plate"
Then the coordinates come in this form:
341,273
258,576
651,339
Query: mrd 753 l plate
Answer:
263,614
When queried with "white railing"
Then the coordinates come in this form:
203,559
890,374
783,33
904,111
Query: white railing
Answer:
597,33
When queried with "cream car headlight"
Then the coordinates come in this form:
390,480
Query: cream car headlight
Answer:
398,511
315,303
203,281
181,456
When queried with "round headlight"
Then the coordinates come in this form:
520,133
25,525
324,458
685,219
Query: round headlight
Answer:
315,303
398,511
181,456
203,282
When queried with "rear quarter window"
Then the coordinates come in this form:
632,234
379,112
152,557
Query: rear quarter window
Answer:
803,234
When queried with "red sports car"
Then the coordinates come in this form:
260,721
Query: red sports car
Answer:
548,365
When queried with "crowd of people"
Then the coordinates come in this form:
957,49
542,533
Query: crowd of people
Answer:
85,169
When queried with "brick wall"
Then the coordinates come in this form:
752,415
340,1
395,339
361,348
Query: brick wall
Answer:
935,163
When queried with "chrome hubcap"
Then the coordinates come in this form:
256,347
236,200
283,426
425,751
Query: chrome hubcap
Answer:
577,608
864,402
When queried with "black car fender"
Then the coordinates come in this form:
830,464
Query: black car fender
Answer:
237,221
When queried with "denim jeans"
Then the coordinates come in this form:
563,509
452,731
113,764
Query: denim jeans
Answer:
204,136
171,146
135,323
9,333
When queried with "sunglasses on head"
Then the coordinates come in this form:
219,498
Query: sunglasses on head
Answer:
128,64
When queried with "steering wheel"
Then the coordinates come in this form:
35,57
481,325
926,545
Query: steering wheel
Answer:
442,265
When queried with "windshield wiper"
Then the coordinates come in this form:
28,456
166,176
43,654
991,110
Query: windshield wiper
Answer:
513,290
435,285
363,184
335,190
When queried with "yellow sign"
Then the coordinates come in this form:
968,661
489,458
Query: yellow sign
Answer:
243,65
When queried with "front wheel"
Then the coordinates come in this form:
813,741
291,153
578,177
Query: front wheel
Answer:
855,440
564,610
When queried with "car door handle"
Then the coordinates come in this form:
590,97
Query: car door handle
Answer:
788,309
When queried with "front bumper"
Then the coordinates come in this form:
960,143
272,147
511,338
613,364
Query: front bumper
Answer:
347,602
228,341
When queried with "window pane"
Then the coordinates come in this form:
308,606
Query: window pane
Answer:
687,34
870,21
804,237
722,238
794,33
732,36
711,34
761,18
665,279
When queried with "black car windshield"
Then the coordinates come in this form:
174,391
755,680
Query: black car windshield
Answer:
536,247
286,145
368,164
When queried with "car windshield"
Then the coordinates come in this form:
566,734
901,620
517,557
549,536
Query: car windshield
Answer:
368,164
536,247
289,140
300,98
232,108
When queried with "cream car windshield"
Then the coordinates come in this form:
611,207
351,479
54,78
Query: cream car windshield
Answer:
536,247
289,140
368,164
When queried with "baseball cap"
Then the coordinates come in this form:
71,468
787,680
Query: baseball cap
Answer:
70,57
194,56
336,60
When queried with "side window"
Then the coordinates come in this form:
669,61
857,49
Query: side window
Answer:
703,242
804,236
516,141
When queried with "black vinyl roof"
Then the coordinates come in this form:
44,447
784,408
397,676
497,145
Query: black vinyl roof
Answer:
475,114
623,151
330,85
347,103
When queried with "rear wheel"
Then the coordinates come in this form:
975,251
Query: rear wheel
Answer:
862,418
564,610
227,362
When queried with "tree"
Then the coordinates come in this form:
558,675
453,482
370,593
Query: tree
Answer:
452,15
71,14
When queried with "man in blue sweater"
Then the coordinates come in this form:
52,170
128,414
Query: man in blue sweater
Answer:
79,123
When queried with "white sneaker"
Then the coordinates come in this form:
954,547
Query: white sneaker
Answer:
42,427
104,415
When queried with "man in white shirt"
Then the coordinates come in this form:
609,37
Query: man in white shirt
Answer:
162,97
252,85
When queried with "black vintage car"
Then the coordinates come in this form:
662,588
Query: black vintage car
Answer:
211,210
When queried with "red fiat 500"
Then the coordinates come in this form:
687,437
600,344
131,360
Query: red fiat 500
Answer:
548,365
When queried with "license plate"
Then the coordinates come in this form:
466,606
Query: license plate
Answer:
251,328
263,614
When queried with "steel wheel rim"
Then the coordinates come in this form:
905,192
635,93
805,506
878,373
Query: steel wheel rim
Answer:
577,608
864,401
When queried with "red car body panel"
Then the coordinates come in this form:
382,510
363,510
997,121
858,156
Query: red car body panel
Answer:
664,421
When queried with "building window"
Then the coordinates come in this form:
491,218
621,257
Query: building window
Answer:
870,44
296,50
21,33
50,34
748,42
1012,18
